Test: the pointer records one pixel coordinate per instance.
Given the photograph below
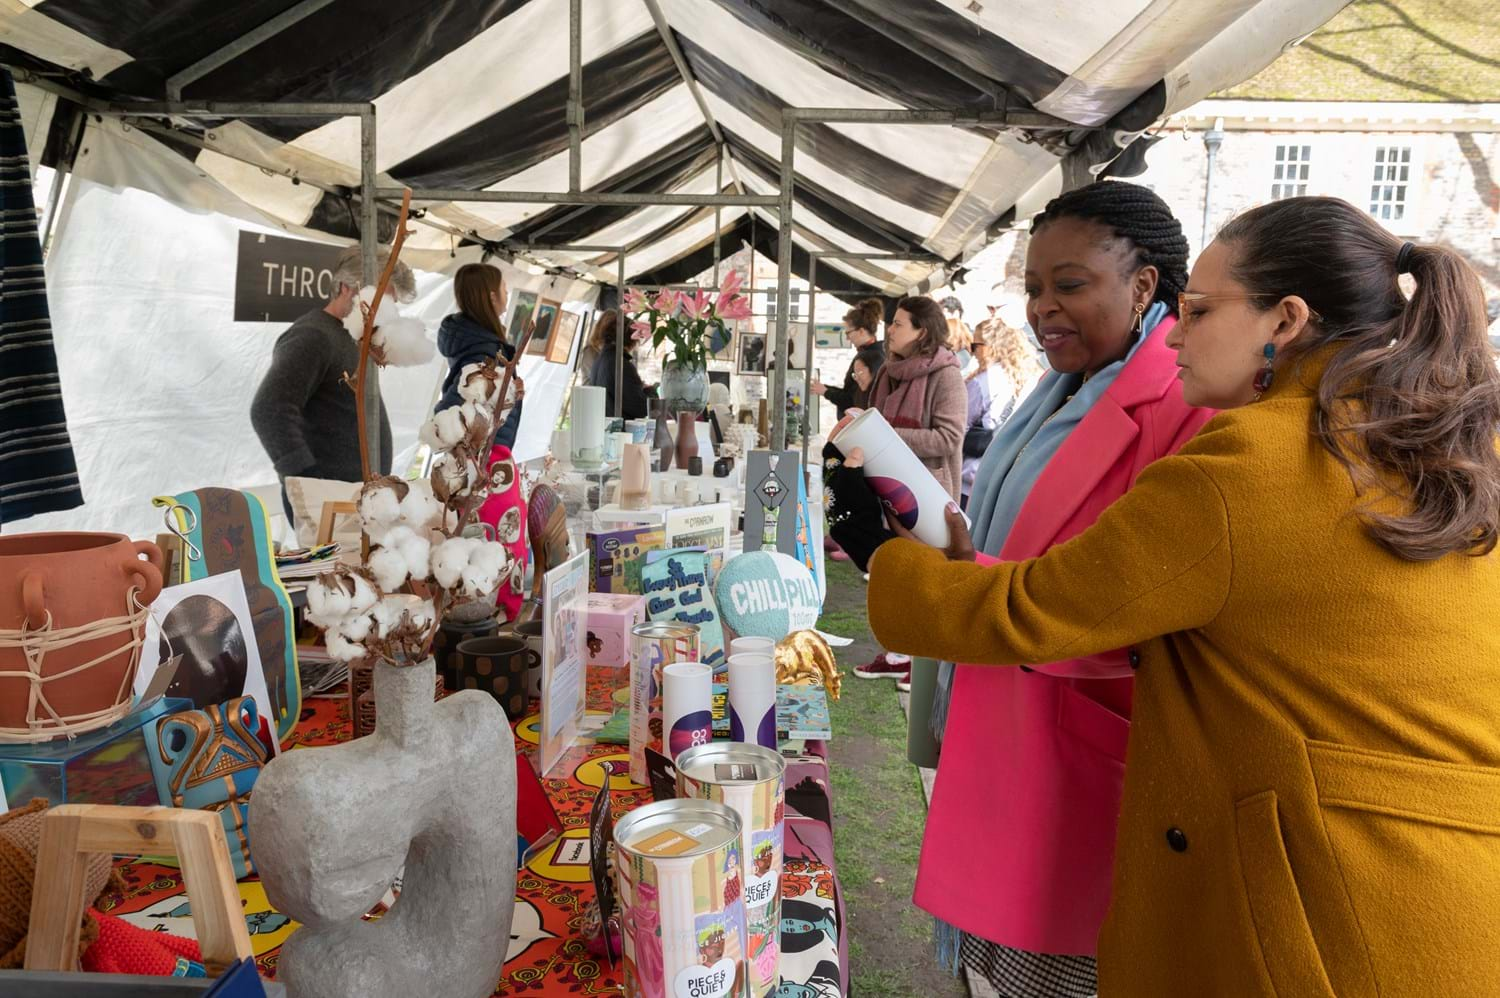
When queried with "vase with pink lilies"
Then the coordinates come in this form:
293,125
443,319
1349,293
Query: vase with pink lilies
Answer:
695,325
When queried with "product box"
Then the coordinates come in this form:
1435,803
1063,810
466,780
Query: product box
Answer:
611,616
615,556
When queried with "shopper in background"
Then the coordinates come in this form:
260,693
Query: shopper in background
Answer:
594,345
861,324
303,412
980,429
607,329
960,336
475,334
921,393
1310,589
1104,266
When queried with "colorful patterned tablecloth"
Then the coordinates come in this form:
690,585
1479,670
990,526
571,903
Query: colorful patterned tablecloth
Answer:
546,954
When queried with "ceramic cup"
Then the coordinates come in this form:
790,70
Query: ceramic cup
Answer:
498,667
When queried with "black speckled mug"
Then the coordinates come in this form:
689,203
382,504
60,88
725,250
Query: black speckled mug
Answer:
497,666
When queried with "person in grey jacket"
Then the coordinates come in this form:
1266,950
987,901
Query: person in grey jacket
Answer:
303,412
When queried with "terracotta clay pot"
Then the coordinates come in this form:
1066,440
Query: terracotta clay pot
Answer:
76,578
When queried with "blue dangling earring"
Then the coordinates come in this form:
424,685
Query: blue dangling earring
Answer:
1265,375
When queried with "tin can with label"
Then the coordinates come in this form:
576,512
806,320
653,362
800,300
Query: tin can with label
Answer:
751,781
682,907
653,645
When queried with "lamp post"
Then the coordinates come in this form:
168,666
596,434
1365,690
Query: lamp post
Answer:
1212,140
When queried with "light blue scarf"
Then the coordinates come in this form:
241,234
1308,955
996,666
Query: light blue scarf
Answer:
1015,459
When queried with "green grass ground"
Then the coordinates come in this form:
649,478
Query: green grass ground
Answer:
878,816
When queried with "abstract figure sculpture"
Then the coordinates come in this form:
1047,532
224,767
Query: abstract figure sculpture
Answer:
432,790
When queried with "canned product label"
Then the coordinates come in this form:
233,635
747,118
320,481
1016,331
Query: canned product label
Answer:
683,917
651,647
761,807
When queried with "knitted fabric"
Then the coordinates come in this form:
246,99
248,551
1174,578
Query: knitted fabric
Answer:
20,837
123,948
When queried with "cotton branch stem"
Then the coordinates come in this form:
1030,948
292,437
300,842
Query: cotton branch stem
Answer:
368,335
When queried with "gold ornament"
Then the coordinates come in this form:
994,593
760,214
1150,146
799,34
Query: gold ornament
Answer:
803,657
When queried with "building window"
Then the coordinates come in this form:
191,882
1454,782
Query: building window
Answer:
1392,181
1290,177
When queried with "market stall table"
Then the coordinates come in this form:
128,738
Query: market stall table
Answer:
547,954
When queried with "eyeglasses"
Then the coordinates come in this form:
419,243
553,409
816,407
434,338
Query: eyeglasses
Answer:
1186,298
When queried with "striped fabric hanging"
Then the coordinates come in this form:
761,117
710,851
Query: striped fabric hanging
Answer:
37,470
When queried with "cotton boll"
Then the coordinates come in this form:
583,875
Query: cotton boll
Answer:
379,506
388,614
475,384
449,559
488,562
415,553
404,342
388,567
445,429
343,649
357,628
457,473
327,601
364,596
420,510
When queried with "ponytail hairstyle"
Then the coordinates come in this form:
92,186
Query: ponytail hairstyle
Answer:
927,315
602,336
1139,216
866,315
1410,400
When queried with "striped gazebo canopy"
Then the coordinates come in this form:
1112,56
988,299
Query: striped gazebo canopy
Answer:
679,96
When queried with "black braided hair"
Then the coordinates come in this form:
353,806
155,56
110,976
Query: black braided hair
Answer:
1138,215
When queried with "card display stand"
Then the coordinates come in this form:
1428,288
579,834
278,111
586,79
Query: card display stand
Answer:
113,765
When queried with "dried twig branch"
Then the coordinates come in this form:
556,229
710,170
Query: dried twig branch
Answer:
365,338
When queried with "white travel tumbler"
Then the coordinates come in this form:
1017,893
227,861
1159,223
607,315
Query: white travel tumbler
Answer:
752,699
686,706
906,487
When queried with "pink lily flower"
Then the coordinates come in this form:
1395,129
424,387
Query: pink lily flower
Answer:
636,301
640,329
697,306
730,284
666,301
737,307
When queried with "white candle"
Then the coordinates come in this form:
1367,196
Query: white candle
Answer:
588,425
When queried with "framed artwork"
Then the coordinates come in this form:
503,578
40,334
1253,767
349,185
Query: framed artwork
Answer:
752,355
829,335
524,306
796,345
564,331
546,317
721,345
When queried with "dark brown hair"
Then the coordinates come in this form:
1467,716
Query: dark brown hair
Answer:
603,334
472,287
927,315
1410,400
866,315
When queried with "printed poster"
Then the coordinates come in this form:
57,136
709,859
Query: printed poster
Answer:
565,608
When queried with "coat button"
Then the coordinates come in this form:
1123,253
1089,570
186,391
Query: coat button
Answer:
1177,839
1135,659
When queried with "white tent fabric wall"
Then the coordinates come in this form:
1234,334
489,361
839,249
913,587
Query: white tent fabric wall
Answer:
158,377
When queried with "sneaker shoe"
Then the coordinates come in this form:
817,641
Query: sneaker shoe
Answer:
882,668
903,685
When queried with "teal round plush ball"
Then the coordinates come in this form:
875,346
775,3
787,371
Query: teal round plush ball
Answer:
766,594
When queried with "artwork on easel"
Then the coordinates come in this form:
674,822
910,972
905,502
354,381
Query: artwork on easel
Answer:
752,354
560,341
525,306
546,317
772,497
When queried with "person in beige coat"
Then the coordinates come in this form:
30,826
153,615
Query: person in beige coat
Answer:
920,389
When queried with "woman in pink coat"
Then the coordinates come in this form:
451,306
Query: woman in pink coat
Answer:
1018,851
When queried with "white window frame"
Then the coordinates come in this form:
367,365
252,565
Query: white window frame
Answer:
1291,168
1379,180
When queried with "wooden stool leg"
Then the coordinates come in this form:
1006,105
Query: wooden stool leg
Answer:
73,831
57,896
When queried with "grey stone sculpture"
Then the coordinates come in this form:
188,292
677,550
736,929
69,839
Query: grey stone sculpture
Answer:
433,789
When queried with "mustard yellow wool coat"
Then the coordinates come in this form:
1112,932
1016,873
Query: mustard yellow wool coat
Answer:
1312,791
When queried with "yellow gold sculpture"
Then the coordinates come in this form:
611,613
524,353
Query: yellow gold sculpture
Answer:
804,657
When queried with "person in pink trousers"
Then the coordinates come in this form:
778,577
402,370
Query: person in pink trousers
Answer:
1018,852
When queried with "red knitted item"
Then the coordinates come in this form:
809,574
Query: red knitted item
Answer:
123,948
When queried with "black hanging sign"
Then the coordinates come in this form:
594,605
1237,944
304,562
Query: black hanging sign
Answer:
277,279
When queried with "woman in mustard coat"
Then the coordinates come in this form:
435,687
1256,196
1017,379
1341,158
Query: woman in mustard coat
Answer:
1312,792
